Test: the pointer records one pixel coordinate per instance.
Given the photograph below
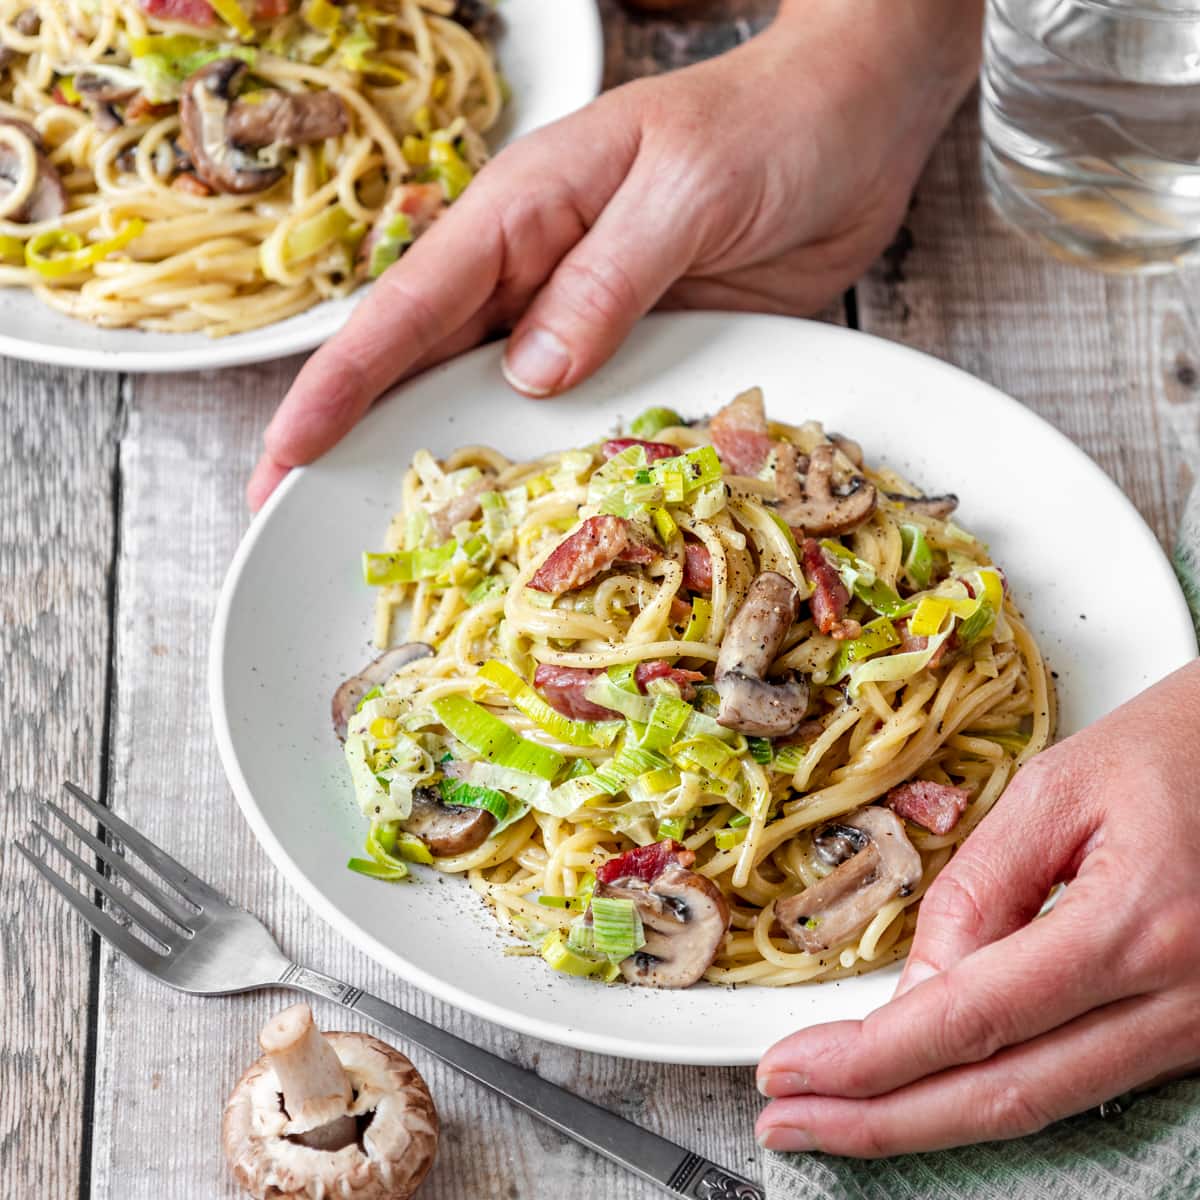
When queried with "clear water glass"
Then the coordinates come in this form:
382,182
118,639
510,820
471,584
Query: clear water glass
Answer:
1091,124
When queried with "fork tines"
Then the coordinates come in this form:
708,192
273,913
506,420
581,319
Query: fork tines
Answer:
182,913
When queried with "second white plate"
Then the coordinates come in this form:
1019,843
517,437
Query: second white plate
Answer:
294,619
552,55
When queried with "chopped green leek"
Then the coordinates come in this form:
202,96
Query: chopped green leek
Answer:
558,902
860,578
58,252
377,870
470,795
877,636
391,846
524,698
705,755
390,244
569,961
368,697
488,736
322,16
918,557
406,566
616,928
653,421
314,235
668,717
698,622
760,749
448,166
232,13
787,760
686,473
628,764
892,667
664,525
976,625
12,250
739,821
674,828
726,839
353,52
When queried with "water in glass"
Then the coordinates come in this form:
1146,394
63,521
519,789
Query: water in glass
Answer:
1091,122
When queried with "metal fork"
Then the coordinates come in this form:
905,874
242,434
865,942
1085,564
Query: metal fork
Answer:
210,947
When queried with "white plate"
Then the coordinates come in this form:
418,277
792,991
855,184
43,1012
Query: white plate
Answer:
294,618
552,54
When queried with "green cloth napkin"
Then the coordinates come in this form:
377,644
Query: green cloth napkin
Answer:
1149,1151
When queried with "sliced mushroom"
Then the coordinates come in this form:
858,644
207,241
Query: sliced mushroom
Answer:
204,131
849,447
749,702
100,91
464,507
447,829
684,915
478,16
375,674
938,507
48,199
276,118
334,1114
836,843
841,905
824,509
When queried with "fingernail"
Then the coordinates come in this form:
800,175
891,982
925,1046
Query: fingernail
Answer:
785,1138
536,362
782,1083
915,972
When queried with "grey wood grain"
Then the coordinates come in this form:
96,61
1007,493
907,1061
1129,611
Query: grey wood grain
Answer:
1110,360
58,456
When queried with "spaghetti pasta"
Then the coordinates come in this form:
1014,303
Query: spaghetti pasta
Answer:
327,139
592,619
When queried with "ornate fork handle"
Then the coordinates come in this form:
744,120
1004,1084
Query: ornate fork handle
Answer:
654,1158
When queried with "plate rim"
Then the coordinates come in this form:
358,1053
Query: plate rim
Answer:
563,1033
219,354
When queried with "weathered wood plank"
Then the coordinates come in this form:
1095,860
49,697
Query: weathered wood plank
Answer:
1110,360
58,455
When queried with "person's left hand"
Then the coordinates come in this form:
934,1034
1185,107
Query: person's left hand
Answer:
1002,1024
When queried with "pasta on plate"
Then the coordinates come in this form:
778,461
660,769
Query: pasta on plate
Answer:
218,165
710,701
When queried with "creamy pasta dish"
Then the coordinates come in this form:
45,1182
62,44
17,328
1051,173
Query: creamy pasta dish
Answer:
218,165
711,701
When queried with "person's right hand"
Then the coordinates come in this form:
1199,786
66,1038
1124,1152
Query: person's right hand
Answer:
766,179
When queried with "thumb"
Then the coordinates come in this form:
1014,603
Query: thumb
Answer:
599,290
1000,877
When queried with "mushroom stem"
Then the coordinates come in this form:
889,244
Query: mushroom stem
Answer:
316,1090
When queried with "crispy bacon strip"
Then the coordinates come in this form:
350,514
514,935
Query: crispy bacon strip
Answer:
740,434
934,805
645,862
657,668
830,599
190,12
697,569
563,689
594,547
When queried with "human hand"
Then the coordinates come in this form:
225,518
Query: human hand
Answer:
1002,1024
766,179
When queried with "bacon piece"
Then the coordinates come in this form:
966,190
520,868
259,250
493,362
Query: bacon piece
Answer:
909,642
681,611
644,862
563,689
654,450
140,107
187,182
934,805
657,668
270,10
830,599
464,507
697,570
739,433
593,547
190,12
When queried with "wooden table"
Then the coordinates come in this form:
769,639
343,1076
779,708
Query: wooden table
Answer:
120,507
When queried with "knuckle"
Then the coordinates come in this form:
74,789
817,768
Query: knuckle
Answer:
1012,1111
598,290
952,900
973,1028
1167,942
870,1141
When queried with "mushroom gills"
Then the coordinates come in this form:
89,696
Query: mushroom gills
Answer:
833,910
938,507
48,199
684,920
447,829
824,508
749,702
375,674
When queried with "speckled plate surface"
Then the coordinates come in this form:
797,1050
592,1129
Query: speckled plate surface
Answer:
294,619
551,53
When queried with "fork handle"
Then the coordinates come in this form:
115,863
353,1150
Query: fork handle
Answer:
680,1172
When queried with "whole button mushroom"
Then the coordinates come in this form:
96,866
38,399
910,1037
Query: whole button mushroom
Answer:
328,1115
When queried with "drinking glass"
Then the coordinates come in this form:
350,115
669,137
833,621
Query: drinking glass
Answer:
1091,124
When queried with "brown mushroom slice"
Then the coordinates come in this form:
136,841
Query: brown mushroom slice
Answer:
334,1114
47,201
842,904
849,447
375,674
938,507
824,509
447,829
275,118
684,918
749,702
